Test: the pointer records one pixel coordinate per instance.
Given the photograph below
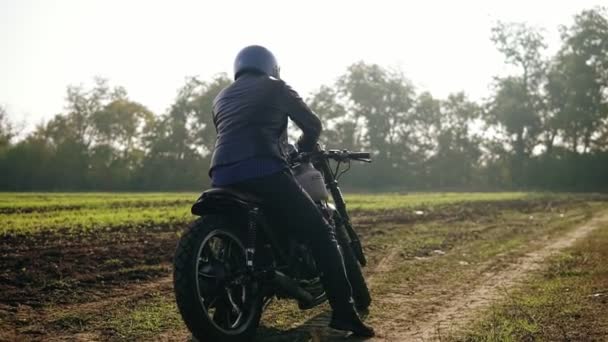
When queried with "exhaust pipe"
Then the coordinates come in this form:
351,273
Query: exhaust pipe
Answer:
291,287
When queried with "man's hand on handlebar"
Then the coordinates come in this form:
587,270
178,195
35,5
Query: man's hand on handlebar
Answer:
337,155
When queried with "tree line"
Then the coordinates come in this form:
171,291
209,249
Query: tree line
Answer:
544,127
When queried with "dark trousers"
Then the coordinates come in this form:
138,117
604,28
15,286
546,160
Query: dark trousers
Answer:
287,203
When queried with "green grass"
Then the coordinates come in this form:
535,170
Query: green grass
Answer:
141,320
565,302
144,321
425,199
34,212
468,243
93,218
40,201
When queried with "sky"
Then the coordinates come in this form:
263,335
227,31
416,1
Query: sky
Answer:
150,47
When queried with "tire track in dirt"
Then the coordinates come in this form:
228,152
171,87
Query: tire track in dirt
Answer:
384,265
460,310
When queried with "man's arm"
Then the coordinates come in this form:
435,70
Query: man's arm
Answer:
303,116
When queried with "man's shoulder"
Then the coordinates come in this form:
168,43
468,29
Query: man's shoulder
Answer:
221,94
271,81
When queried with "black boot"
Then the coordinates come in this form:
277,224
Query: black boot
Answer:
339,293
344,315
351,322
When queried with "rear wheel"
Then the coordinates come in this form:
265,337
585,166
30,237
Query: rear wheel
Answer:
353,271
218,301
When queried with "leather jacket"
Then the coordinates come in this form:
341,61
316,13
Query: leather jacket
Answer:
250,118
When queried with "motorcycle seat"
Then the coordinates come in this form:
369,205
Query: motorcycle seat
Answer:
221,199
232,193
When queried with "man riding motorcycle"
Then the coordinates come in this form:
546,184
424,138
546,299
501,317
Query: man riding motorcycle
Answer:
250,118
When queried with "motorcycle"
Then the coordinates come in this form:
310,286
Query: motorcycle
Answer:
230,263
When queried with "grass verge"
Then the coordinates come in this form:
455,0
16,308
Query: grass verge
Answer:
146,320
568,301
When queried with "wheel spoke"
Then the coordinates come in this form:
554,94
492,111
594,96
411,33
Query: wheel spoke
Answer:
225,252
222,294
229,249
236,310
207,271
214,248
210,303
235,307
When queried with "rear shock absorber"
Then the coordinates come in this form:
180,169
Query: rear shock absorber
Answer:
251,237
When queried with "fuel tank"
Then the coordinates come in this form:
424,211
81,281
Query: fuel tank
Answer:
312,181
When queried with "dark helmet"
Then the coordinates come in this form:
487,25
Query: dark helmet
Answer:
258,59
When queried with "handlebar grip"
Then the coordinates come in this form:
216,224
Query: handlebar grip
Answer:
360,155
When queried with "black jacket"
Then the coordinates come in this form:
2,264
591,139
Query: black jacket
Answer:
250,118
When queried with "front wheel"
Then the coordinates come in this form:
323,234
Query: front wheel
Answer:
215,297
360,290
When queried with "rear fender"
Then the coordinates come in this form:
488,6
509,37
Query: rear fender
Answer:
206,205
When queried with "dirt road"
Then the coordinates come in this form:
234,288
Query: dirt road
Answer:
459,310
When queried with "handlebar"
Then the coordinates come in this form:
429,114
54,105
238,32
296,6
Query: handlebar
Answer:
337,155
359,155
